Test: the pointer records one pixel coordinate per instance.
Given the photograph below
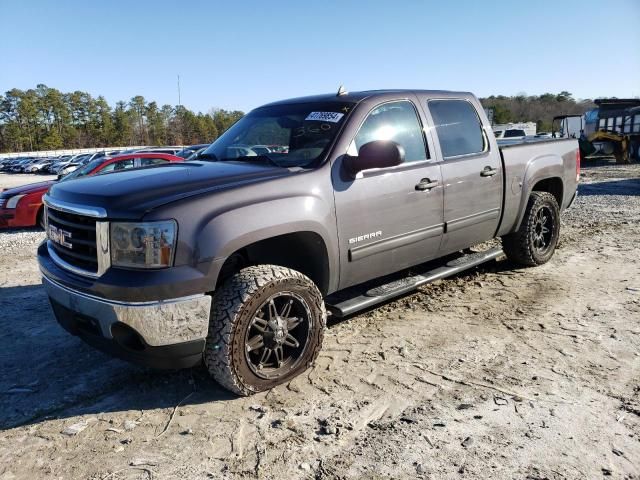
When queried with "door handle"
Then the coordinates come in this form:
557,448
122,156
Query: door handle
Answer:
426,184
488,171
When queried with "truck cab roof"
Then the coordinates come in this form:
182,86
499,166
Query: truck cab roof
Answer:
357,97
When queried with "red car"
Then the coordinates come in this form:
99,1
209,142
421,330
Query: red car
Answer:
22,206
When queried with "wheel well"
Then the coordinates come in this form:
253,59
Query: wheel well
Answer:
301,251
551,185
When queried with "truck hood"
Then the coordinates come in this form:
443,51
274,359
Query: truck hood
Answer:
31,188
131,194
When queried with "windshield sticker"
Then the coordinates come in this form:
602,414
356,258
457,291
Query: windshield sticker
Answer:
333,117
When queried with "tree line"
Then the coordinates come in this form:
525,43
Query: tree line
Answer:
535,108
45,118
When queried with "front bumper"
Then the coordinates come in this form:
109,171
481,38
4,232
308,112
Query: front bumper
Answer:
160,334
7,217
17,217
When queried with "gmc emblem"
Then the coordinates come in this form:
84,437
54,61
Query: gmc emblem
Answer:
59,236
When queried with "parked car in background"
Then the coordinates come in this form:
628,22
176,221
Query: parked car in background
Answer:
39,166
187,152
171,150
73,164
195,155
261,149
511,133
77,163
22,206
544,135
60,163
8,163
19,165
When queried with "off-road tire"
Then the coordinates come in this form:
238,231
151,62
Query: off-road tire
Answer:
519,246
233,308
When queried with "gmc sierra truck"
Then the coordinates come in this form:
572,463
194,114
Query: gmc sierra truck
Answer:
347,201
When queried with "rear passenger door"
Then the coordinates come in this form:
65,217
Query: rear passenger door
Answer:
389,218
471,172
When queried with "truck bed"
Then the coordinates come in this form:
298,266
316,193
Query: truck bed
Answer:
552,158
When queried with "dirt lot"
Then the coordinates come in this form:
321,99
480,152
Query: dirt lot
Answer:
499,373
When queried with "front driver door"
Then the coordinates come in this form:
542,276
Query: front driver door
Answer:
391,218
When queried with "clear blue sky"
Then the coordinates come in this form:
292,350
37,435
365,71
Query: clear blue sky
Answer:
241,54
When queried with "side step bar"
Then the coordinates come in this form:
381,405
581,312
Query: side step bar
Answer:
396,288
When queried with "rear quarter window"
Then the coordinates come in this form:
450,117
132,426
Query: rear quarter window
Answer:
458,127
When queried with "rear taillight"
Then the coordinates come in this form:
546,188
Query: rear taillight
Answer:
577,165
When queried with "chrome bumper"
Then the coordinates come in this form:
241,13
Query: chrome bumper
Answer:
160,323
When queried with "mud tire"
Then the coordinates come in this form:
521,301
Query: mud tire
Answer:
233,309
520,247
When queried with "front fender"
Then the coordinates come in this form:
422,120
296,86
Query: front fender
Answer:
225,233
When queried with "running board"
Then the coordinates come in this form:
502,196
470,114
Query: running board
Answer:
396,288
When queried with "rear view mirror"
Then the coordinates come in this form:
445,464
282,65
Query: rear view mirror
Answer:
376,154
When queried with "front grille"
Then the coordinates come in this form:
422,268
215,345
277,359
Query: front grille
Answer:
79,232
2,201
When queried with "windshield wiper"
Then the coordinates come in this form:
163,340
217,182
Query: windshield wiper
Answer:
207,156
252,158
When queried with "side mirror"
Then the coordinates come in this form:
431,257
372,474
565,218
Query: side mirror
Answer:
60,176
376,154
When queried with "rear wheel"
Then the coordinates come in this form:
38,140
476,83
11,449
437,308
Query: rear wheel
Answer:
266,327
536,239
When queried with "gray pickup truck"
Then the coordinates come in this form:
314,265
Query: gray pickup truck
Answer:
235,259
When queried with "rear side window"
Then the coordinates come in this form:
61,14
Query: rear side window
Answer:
458,126
397,121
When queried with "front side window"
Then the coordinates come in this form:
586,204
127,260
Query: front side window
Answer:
397,121
458,127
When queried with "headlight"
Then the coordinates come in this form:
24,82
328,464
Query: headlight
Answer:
143,245
13,201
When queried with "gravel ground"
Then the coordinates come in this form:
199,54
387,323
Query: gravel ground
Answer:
499,373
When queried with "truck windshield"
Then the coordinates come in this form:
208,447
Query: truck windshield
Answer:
290,135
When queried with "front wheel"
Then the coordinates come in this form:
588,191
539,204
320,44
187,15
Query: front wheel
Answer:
266,327
536,239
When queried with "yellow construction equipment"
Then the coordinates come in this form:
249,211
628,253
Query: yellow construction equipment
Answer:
620,143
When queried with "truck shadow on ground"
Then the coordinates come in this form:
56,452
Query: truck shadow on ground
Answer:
48,373
626,187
